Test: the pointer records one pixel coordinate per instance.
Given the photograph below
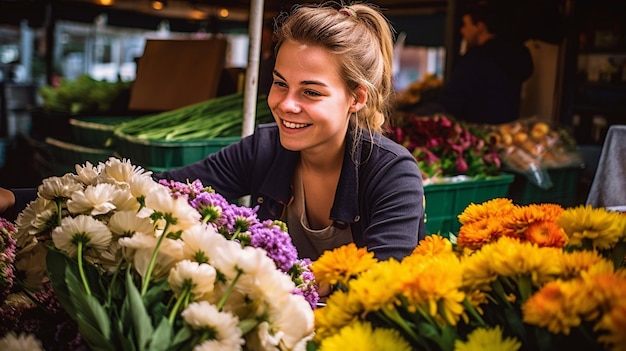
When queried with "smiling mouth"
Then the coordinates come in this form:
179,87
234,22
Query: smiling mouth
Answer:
292,125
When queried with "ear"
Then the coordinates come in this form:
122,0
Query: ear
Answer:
359,99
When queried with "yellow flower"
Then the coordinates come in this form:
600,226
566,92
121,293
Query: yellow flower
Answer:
434,286
361,336
433,245
340,310
483,339
378,287
585,223
552,307
614,322
494,208
477,270
342,264
576,262
511,258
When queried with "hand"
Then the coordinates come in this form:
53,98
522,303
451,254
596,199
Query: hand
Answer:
7,199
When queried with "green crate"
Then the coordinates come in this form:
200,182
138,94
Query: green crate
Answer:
445,201
161,155
96,131
69,154
564,189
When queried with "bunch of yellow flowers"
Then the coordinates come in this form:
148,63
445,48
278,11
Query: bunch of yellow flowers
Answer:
533,277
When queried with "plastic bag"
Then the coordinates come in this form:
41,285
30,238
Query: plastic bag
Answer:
531,147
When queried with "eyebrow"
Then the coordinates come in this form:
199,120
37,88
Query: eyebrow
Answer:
304,82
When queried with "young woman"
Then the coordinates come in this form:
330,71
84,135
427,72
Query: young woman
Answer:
324,167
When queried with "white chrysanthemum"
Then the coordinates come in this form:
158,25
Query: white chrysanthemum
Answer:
177,209
94,200
125,201
142,184
199,277
127,223
93,233
120,171
31,266
287,323
199,240
34,219
109,259
53,188
224,256
138,249
222,325
86,173
22,342
261,280
291,316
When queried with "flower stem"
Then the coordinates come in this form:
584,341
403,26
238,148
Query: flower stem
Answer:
146,278
81,270
184,297
228,291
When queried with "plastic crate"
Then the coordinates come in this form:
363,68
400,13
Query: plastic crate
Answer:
445,201
162,155
68,154
96,131
564,189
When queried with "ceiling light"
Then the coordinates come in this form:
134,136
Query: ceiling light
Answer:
224,13
105,2
159,4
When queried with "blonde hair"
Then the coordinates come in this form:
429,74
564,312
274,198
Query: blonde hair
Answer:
362,39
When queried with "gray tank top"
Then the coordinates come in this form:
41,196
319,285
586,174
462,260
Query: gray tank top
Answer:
311,243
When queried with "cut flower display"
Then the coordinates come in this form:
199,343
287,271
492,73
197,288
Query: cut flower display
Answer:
445,147
144,265
534,277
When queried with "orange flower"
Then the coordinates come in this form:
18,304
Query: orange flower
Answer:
342,264
497,207
550,307
433,245
546,234
521,217
475,234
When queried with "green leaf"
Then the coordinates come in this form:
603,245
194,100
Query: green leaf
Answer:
56,263
183,336
141,322
93,321
311,346
162,336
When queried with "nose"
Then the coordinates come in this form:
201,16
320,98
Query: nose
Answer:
289,103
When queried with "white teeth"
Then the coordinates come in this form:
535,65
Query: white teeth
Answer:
294,125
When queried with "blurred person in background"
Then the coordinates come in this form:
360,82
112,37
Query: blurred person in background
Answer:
486,83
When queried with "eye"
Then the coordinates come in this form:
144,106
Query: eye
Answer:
312,93
279,83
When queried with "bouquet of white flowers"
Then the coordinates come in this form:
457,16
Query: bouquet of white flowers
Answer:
147,265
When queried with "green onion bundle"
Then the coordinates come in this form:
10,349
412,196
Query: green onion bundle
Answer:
213,118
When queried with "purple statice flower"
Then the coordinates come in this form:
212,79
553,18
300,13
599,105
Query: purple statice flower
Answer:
271,237
8,247
186,190
213,208
240,219
304,279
